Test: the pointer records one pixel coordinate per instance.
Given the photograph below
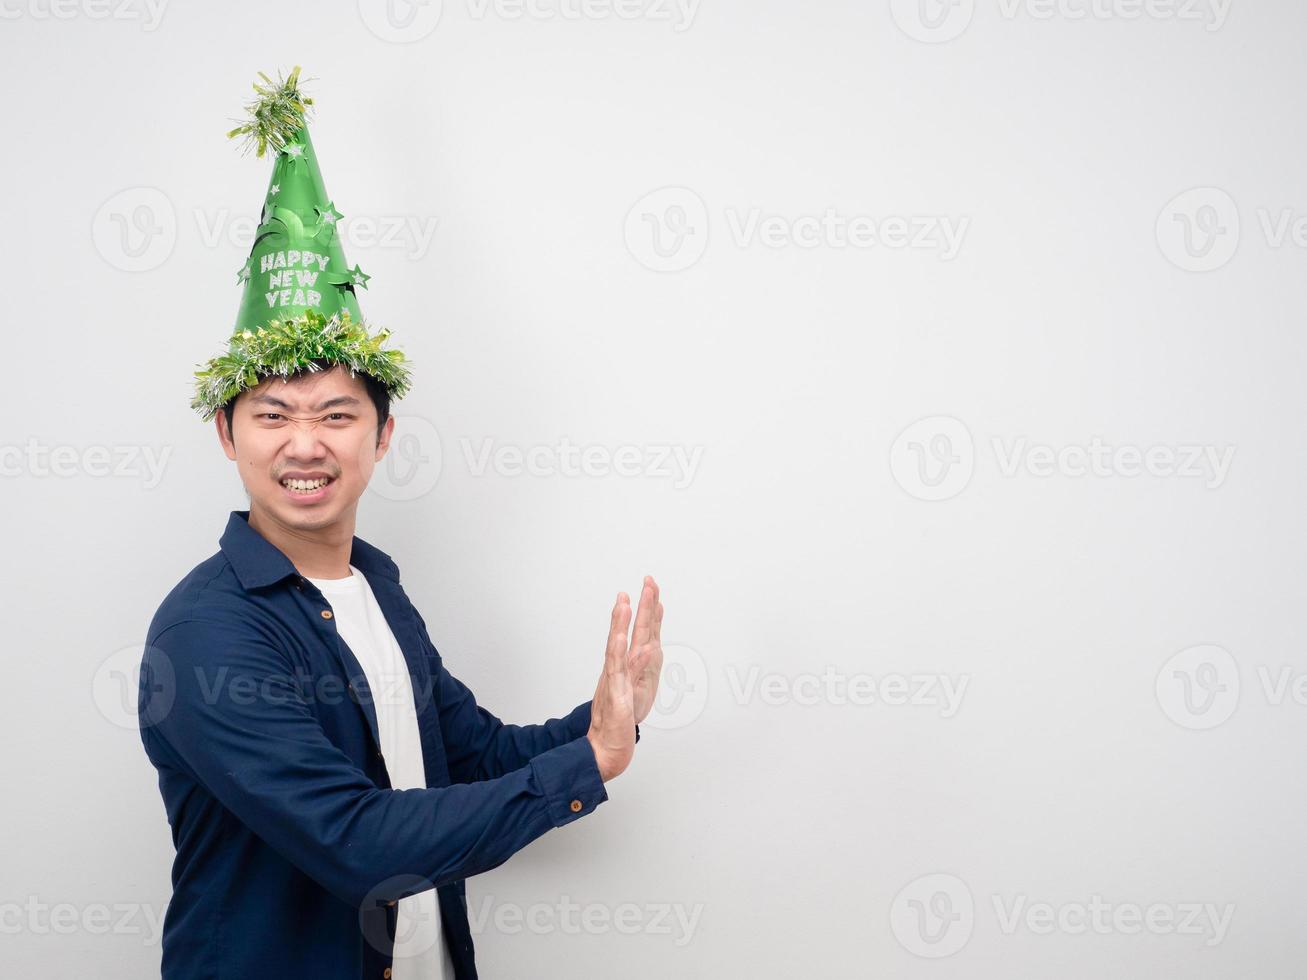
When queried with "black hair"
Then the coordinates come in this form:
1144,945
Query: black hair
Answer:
376,391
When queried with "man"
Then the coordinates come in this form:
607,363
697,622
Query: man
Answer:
329,783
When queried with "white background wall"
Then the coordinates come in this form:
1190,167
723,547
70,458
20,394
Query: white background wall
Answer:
1125,192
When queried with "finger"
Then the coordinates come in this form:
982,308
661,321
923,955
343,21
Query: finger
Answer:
644,618
657,632
654,606
641,659
638,655
615,655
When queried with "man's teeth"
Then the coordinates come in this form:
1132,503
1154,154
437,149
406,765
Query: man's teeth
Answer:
305,486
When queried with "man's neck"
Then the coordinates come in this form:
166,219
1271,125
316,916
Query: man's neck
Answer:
319,553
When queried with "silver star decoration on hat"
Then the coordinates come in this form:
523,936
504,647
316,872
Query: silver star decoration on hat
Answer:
247,270
329,215
357,277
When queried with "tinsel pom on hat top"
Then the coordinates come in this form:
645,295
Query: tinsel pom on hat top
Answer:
299,302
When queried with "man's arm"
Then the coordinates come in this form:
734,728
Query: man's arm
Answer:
480,746
221,703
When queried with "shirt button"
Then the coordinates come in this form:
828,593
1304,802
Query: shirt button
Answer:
326,614
576,806
386,973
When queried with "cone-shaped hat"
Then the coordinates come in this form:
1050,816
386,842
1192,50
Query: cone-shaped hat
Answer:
300,296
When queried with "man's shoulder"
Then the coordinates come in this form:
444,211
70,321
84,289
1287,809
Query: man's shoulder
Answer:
210,590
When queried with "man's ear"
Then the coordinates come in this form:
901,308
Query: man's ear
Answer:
224,434
383,443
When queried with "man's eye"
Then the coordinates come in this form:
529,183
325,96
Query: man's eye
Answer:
334,416
271,416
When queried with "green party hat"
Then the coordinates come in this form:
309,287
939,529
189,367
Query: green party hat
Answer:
300,299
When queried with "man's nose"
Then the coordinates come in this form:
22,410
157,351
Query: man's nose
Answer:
304,441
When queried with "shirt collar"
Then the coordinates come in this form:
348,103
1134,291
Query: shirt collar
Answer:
258,562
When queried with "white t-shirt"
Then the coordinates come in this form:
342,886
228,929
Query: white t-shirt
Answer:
420,950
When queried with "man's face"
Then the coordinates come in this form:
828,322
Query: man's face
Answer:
330,462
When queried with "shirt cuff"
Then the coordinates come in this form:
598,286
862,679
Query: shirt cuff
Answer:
569,777
578,719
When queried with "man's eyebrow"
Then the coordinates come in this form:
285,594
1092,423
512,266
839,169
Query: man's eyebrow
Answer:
329,403
338,400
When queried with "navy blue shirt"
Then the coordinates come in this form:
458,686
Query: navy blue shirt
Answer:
292,849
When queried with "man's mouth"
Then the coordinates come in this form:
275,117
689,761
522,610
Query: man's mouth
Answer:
306,488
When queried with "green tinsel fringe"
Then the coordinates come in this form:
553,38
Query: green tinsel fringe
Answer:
283,347
275,115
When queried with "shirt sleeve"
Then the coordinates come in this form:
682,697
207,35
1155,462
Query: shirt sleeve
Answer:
222,703
479,745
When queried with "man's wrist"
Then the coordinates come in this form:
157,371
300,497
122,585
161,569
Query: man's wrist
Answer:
599,759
